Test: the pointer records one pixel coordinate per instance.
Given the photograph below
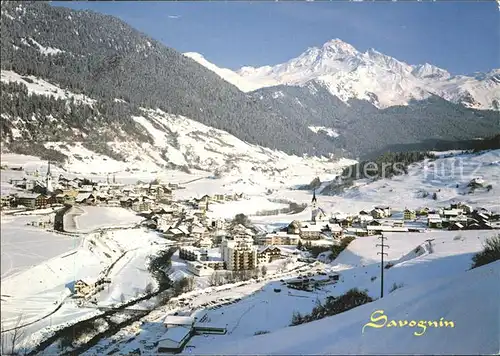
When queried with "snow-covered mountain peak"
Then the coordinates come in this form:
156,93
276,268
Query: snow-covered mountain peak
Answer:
340,47
429,71
195,55
387,62
348,73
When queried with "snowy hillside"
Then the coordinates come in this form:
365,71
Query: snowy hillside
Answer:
427,278
474,297
371,76
447,176
226,74
175,142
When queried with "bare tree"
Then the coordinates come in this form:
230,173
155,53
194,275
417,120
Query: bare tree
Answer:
15,334
215,279
263,271
3,340
190,284
220,279
282,267
230,278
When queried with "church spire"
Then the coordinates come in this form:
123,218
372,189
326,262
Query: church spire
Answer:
314,207
48,181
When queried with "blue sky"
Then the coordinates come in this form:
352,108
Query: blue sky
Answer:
462,37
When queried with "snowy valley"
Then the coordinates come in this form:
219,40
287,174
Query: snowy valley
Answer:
342,202
97,274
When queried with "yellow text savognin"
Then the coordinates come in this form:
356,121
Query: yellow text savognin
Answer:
379,320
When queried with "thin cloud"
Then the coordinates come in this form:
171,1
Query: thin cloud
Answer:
174,16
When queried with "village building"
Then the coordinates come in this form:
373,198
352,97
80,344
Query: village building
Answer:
83,287
199,269
386,210
279,238
239,253
344,223
456,226
434,221
377,230
215,264
218,224
198,232
356,232
409,214
397,223
163,194
31,200
377,213
174,340
334,230
36,186
204,242
242,232
6,201
364,220
178,233
317,214
218,197
466,208
312,232
448,213
482,216
188,253
142,204
165,222
85,198
180,329
269,254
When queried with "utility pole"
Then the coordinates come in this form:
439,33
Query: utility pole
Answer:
382,253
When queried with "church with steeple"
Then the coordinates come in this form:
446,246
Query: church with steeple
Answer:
317,214
48,181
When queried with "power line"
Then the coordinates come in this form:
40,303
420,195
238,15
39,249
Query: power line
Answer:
382,253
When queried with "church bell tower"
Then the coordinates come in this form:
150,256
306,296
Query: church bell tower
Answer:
48,180
314,206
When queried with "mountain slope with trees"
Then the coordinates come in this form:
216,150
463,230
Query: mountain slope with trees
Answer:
365,131
106,59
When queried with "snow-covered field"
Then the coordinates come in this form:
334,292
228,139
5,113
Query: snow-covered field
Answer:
40,296
24,246
90,218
